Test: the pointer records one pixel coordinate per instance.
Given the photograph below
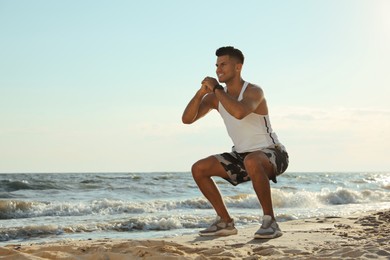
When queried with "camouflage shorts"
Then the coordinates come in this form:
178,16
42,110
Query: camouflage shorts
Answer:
234,163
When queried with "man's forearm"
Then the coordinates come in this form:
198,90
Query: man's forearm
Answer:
192,109
232,106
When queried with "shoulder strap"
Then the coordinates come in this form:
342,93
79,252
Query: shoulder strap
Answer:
242,90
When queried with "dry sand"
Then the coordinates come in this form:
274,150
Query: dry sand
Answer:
365,236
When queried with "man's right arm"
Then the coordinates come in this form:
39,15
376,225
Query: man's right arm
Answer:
198,106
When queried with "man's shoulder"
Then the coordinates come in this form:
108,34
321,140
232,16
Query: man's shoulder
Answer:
252,85
254,88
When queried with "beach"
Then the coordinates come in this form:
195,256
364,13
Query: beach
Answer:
158,215
359,236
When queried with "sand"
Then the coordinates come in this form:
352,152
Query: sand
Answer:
365,236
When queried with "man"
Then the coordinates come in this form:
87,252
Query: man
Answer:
257,154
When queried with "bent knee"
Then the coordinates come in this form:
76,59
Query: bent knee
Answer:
252,162
255,163
198,169
207,167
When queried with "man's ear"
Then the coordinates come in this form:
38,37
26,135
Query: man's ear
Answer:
238,67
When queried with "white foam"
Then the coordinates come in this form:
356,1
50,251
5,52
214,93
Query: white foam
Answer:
281,199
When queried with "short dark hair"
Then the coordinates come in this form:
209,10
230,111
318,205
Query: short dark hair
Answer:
232,52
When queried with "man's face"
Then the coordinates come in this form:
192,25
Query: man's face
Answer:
227,68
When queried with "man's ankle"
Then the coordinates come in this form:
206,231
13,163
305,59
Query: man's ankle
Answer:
271,215
227,220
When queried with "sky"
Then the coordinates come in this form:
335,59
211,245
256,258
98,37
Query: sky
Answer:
100,86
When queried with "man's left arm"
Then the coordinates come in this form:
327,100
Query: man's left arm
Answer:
252,98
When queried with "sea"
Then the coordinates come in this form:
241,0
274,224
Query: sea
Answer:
42,207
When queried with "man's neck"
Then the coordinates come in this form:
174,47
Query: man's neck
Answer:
234,86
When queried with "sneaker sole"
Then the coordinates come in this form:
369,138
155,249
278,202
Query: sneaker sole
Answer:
220,233
275,235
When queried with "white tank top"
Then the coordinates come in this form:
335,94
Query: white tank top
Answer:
253,132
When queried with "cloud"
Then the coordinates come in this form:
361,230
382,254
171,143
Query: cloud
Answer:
334,138
330,119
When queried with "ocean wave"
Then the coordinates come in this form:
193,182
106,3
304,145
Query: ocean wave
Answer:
12,208
10,186
147,223
133,224
8,195
130,177
17,209
88,181
345,196
25,232
180,220
338,196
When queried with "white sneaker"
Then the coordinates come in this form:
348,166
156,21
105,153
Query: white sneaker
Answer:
269,229
219,228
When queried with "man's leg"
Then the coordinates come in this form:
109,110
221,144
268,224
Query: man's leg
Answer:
202,171
260,170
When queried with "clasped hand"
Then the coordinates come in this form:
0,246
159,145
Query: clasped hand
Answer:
208,84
